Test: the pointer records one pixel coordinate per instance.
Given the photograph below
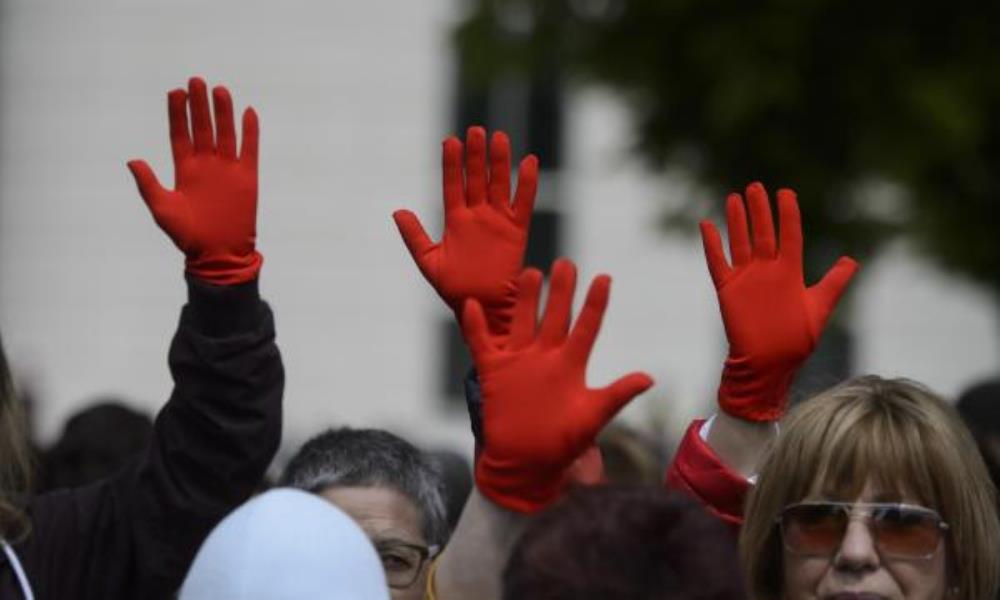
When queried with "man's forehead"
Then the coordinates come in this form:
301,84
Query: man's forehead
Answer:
383,513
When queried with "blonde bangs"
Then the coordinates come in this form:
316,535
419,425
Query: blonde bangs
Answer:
864,443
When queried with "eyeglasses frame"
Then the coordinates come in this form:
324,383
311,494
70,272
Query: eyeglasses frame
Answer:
426,553
850,508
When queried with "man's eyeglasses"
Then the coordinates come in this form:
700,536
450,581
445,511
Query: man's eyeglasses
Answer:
900,530
403,562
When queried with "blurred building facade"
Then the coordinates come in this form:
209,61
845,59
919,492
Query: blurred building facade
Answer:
354,99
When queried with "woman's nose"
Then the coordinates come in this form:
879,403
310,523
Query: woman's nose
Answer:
857,550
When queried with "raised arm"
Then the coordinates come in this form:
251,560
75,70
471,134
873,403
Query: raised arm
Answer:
539,416
134,535
773,323
480,256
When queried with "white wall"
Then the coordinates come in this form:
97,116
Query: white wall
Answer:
353,98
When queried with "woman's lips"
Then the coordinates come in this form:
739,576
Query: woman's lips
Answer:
855,596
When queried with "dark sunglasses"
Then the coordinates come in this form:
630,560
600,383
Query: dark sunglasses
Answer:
899,530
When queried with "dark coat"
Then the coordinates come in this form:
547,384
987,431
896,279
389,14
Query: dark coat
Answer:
134,535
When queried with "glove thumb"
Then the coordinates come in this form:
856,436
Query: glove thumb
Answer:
149,187
413,234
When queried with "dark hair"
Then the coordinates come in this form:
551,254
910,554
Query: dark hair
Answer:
627,543
979,407
97,442
372,457
15,464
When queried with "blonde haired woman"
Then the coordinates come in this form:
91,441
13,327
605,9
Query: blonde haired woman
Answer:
872,490
875,486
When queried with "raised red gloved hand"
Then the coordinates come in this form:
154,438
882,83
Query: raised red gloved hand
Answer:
481,251
539,415
211,215
773,322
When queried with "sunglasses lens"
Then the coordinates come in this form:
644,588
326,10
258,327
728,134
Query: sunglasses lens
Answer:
906,532
813,529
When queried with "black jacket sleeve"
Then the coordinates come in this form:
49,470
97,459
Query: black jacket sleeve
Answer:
135,534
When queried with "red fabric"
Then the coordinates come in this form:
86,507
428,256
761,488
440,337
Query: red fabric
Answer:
587,469
539,416
481,251
773,322
697,471
211,215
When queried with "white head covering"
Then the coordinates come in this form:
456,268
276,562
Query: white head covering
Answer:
289,545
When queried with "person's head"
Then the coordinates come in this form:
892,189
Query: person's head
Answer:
389,487
627,543
629,456
979,407
916,518
96,442
15,464
286,545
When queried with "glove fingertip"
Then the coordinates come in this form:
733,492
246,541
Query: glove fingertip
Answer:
414,236
844,270
499,138
846,262
599,292
401,215
615,396
530,162
787,195
221,94
134,165
622,391
530,278
707,228
251,127
639,382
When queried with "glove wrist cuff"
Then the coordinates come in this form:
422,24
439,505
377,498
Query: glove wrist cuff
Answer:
226,269
754,394
515,488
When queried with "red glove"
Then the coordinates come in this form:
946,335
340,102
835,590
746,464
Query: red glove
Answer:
539,415
772,320
211,215
481,251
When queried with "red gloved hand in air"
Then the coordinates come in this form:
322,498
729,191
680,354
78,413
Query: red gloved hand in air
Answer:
481,251
211,215
539,414
773,322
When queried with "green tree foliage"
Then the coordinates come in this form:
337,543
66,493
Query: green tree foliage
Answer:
883,116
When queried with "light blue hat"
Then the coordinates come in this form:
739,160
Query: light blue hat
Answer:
290,545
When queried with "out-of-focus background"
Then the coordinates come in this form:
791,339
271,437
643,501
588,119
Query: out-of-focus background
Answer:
644,113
